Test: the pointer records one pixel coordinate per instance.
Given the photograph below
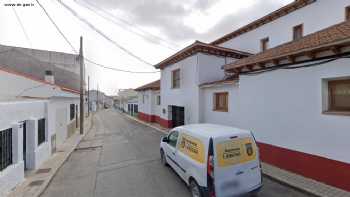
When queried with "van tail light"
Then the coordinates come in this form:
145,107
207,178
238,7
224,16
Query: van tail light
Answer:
210,169
211,166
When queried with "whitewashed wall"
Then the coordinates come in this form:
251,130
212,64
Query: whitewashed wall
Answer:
284,108
156,109
315,17
185,96
149,106
209,67
13,112
208,115
59,117
194,70
145,101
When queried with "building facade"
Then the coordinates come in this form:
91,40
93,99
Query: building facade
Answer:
37,114
290,86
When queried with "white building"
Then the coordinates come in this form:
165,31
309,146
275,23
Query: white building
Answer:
37,114
181,75
127,100
291,87
149,102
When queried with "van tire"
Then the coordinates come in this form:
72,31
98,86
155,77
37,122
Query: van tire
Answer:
162,158
195,190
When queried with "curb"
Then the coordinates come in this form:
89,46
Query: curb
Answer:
282,182
270,175
144,123
47,180
65,160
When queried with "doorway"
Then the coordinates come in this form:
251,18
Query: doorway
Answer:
178,116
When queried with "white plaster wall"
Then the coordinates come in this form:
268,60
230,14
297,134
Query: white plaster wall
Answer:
209,67
194,70
59,117
216,117
284,108
156,109
16,111
185,96
149,106
315,17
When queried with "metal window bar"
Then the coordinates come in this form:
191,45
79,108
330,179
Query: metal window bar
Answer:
5,148
41,131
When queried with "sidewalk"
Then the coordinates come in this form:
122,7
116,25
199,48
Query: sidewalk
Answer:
285,177
36,181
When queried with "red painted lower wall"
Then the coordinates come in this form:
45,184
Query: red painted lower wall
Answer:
153,118
325,170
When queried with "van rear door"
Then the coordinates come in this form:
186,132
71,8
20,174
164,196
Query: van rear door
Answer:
237,165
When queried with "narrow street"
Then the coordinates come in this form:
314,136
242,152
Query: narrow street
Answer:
120,157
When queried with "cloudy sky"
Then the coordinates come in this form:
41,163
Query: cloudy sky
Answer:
133,31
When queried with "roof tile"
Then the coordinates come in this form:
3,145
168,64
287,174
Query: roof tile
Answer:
333,35
155,85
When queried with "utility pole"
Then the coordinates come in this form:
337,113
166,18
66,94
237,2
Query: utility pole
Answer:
81,58
97,99
88,96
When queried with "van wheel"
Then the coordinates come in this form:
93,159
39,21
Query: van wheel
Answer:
162,158
195,189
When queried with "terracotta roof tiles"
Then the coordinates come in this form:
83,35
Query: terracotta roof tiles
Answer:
155,85
334,36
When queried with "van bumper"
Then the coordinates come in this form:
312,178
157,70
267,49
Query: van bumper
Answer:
256,189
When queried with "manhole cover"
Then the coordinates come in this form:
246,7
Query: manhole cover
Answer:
42,171
36,183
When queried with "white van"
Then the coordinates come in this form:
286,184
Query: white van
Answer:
213,160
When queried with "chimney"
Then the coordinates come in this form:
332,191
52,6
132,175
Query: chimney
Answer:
49,77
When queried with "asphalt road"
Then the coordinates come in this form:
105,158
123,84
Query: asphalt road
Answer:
120,157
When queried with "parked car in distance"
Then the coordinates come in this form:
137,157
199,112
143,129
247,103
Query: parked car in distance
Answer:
213,160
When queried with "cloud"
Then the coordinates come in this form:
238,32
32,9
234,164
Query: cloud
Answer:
234,21
169,16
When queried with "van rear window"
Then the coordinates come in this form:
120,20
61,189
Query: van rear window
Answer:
235,151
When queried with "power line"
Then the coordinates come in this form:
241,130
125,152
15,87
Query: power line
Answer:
56,26
22,26
88,60
142,35
119,70
169,45
103,34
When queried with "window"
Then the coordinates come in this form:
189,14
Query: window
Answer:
298,32
41,131
264,44
339,95
347,13
5,148
158,100
136,108
221,101
175,78
72,111
143,99
173,138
